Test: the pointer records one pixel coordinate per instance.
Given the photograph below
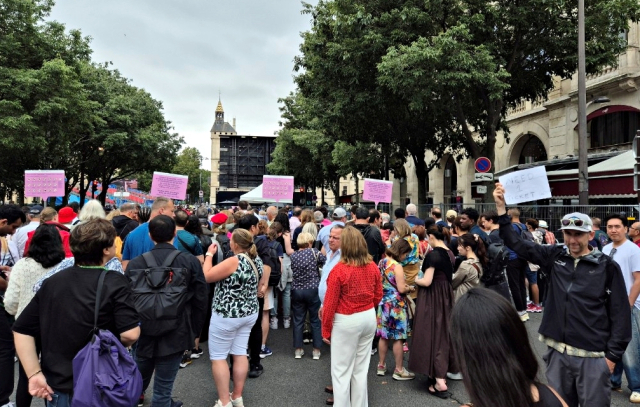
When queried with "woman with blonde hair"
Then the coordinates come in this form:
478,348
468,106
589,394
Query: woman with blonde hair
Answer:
354,290
411,263
305,264
235,310
92,210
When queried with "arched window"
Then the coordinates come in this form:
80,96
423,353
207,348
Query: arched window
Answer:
532,151
450,177
613,128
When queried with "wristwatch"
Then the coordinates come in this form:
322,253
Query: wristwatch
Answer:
209,254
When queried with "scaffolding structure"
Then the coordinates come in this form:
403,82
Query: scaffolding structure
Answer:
243,160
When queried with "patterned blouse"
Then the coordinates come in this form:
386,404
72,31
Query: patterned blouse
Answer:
237,295
305,269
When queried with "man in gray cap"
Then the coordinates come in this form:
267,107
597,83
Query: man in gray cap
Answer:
339,218
586,323
20,237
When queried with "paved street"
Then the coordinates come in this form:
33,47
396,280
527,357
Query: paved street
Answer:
290,382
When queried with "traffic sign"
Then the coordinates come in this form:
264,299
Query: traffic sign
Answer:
483,176
483,164
482,189
201,193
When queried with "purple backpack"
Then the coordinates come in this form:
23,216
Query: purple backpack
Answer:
104,373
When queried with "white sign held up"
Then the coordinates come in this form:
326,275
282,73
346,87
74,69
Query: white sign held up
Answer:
526,185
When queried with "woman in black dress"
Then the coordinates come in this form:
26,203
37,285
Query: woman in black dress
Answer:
431,346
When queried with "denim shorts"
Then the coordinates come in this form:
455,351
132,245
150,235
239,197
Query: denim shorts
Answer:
229,335
532,276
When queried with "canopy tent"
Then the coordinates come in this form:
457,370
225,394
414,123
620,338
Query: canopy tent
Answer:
255,196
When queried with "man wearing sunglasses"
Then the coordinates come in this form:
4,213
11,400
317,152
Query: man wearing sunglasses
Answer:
587,320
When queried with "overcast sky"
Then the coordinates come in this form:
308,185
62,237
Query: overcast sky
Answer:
184,52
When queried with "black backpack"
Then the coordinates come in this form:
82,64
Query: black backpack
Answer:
276,274
160,294
524,233
496,270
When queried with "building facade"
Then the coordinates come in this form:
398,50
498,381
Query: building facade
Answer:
237,161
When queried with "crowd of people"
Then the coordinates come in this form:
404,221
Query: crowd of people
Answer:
452,292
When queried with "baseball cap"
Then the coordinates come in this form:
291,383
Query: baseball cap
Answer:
35,210
219,218
543,224
318,217
451,214
576,221
339,213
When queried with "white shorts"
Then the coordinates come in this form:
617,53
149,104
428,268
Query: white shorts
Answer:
268,299
229,335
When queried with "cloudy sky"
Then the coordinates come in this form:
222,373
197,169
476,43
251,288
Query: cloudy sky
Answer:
185,52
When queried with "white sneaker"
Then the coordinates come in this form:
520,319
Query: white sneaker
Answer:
219,404
635,397
454,376
316,355
273,324
237,402
299,353
287,323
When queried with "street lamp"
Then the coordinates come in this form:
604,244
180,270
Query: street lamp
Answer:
200,173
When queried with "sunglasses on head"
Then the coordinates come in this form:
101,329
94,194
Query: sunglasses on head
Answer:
573,221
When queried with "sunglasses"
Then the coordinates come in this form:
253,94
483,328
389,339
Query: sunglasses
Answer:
573,221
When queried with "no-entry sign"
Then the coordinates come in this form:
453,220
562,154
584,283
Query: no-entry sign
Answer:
483,164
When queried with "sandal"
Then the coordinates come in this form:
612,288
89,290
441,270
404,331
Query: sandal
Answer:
443,394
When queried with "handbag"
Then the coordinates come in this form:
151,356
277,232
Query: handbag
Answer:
318,267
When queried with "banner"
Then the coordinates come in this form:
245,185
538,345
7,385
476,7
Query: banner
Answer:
377,190
44,183
172,186
277,187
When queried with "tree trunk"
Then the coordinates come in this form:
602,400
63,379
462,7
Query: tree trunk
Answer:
421,173
357,180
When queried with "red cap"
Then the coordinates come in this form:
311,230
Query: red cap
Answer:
219,218
66,215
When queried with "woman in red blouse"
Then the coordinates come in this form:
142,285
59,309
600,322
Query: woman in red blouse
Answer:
354,290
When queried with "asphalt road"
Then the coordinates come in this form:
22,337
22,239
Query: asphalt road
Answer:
290,382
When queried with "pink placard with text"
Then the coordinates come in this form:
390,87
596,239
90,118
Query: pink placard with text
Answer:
377,190
276,187
44,184
172,186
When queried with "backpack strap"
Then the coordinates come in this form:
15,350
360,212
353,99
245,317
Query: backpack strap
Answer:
192,250
170,258
96,310
149,260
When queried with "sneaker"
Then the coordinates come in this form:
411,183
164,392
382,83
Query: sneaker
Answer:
531,307
374,351
273,324
237,402
186,361
141,400
316,355
176,403
405,347
381,370
9,404
635,397
255,371
403,374
265,351
299,353
287,323
219,404
538,309
524,317
196,353
454,376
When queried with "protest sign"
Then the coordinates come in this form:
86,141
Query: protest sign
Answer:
526,185
277,187
377,190
172,186
44,183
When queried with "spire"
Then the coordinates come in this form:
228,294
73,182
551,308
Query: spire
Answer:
219,109
219,112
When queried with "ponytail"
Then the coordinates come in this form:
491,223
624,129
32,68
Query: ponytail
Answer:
253,251
477,245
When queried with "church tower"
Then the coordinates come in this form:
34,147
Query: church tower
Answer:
219,128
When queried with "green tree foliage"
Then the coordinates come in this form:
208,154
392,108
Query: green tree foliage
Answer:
188,163
60,111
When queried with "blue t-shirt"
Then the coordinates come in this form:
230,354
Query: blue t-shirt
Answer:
138,242
193,244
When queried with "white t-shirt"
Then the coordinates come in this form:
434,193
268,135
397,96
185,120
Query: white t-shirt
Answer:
627,255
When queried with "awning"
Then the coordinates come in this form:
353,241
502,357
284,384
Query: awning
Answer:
621,162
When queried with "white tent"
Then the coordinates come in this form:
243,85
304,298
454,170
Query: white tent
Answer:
255,196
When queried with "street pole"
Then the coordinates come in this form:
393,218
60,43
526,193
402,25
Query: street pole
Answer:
583,161
200,187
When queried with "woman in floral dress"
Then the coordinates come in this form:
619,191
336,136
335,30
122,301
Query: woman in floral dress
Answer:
392,311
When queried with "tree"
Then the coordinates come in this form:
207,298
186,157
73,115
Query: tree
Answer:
488,56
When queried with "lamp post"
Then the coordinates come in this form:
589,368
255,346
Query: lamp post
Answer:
583,162
200,173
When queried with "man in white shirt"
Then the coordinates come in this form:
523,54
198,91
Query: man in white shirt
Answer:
339,218
627,255
20,237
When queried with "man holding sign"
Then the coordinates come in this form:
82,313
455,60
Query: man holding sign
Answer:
587,321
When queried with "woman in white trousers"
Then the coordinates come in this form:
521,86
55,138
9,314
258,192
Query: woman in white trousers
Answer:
354,289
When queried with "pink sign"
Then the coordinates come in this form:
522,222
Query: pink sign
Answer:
377,190
276,187
169,185
44,184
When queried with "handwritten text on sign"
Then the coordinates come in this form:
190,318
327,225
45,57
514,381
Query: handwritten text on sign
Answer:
526,185
377,190
44,184
172,186
278,188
